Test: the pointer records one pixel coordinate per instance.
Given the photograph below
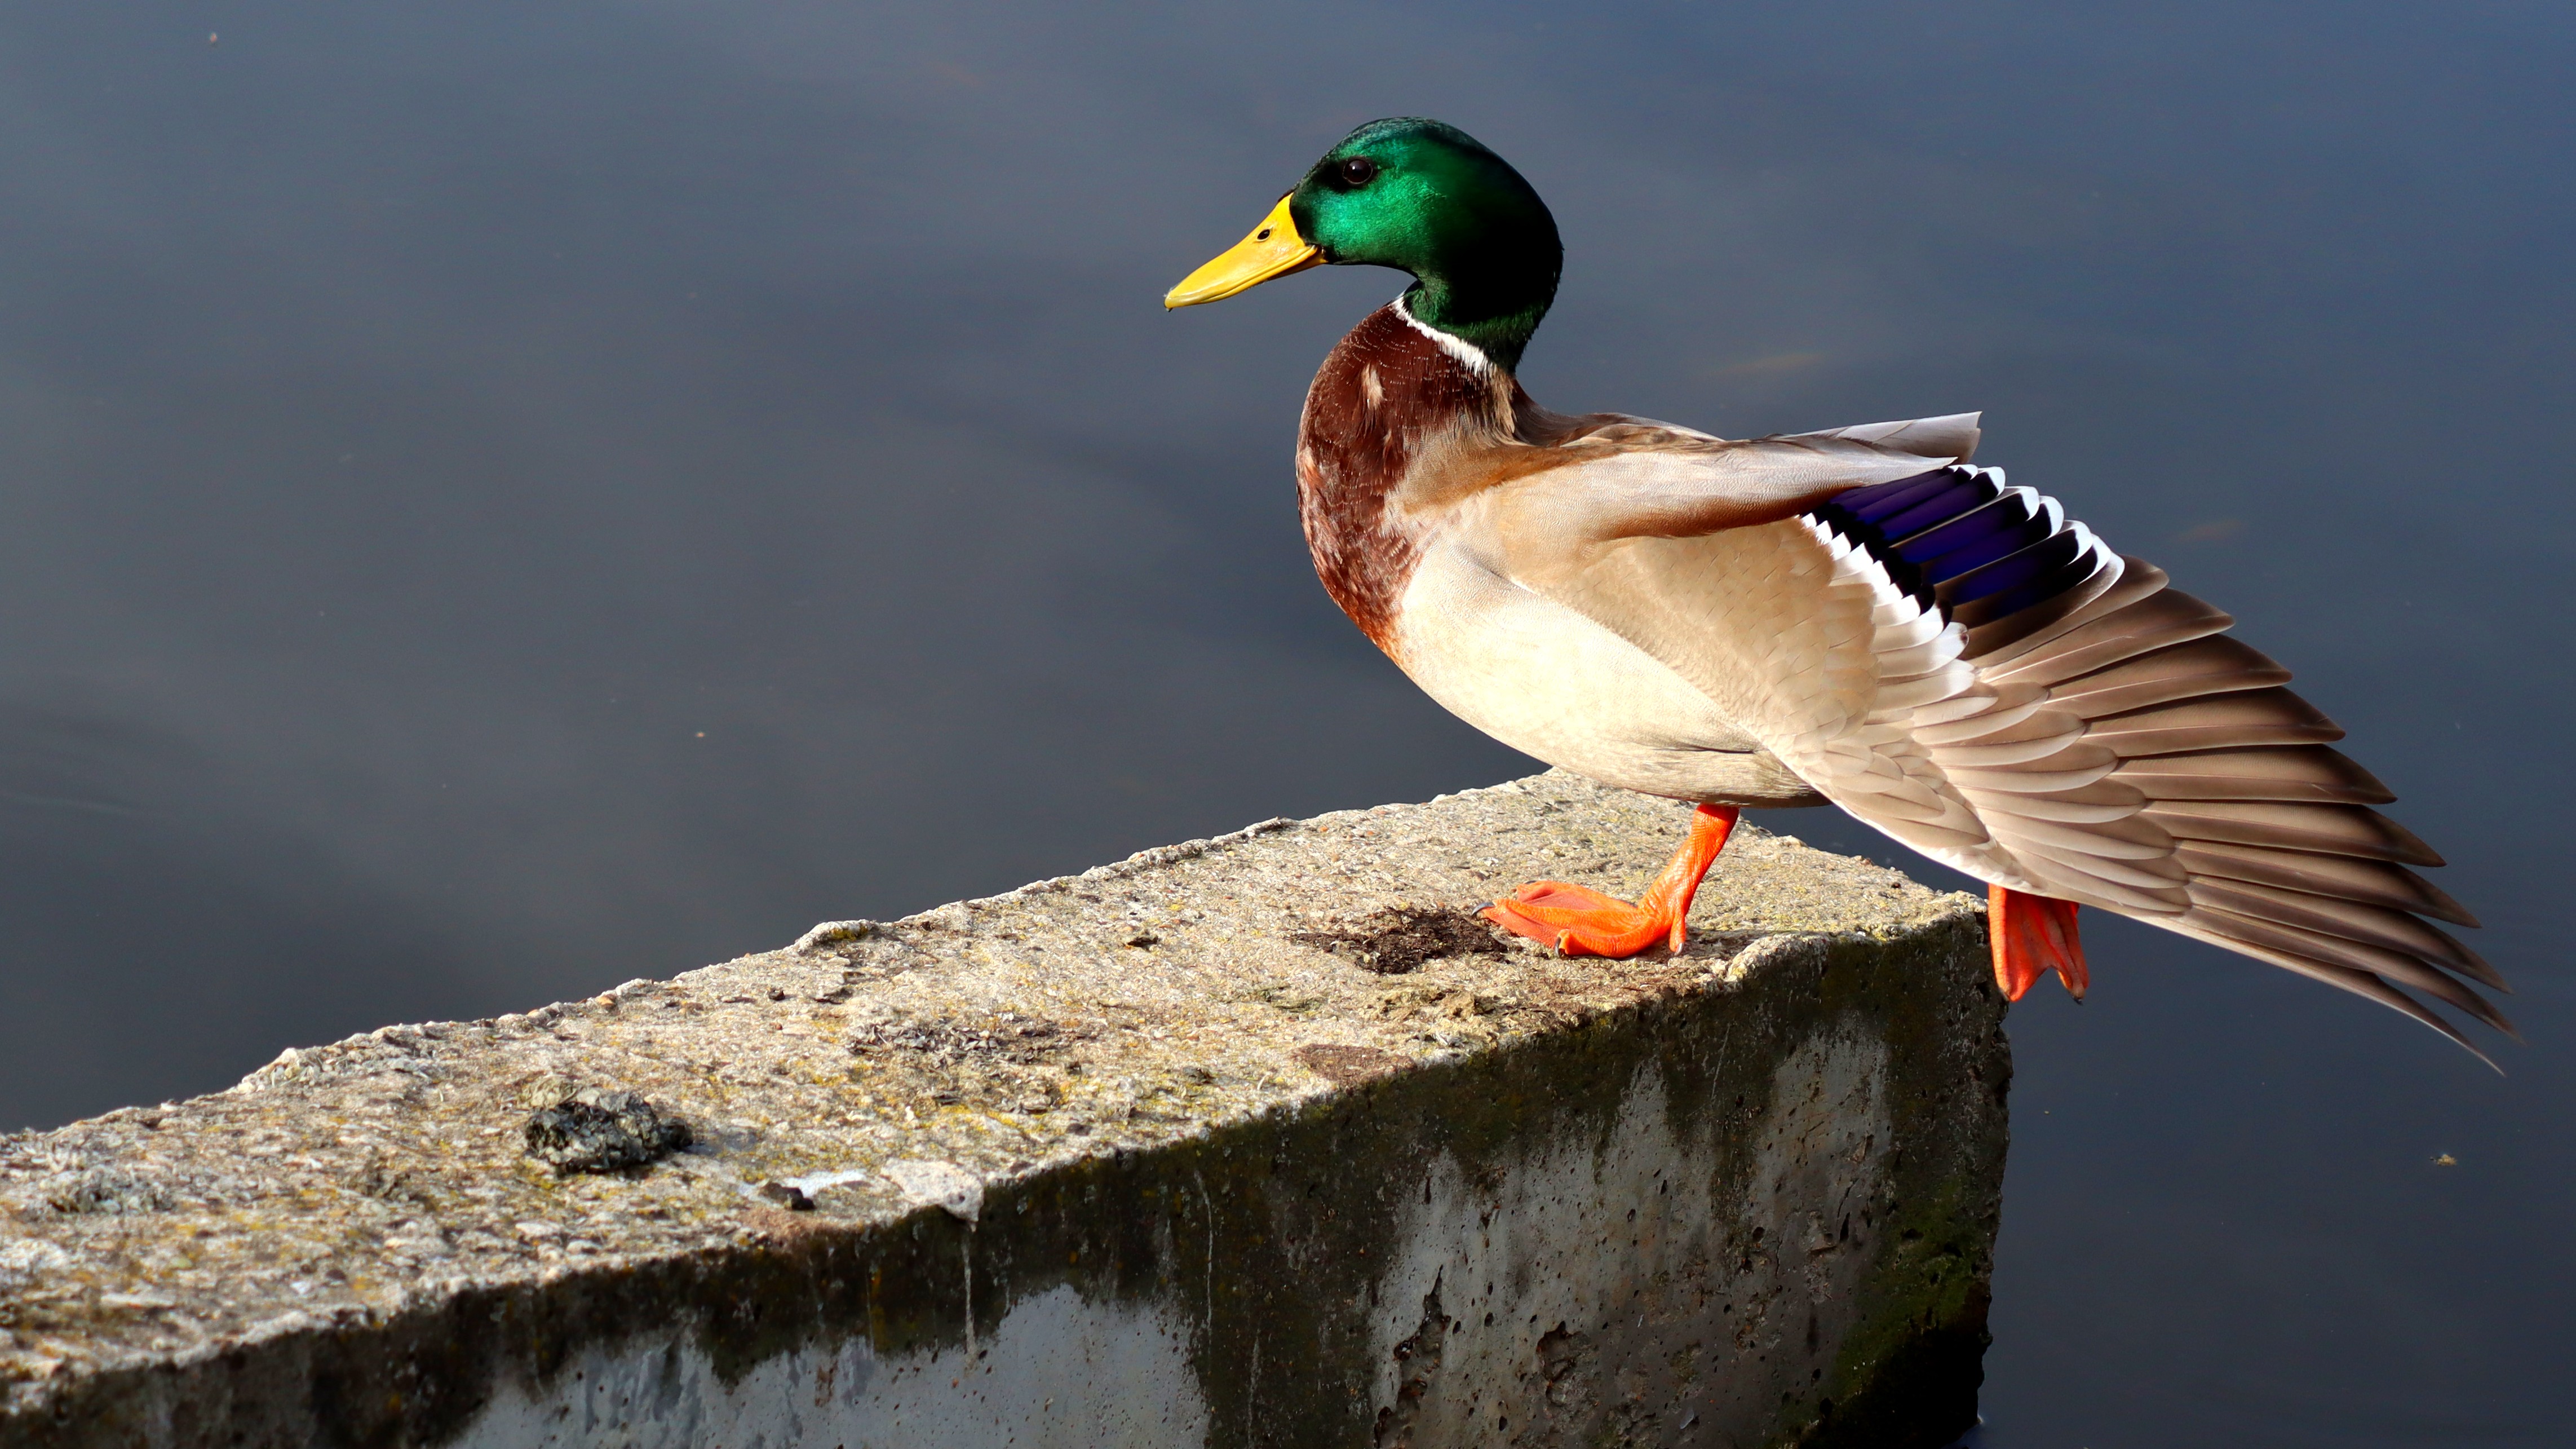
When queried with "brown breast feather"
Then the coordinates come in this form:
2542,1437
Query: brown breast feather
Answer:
1395,418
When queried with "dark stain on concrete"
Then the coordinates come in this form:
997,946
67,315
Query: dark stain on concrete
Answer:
1398,940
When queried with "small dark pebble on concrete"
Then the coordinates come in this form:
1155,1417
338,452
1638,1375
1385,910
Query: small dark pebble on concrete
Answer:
600,1131
787,1195
1399,939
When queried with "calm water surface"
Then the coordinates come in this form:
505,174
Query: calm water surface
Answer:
497,499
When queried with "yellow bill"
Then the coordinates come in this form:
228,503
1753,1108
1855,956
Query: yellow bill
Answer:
1273,250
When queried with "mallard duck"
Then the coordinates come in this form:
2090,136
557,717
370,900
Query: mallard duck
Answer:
1862,617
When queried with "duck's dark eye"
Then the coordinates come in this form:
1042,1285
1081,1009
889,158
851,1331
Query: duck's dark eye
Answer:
1358,171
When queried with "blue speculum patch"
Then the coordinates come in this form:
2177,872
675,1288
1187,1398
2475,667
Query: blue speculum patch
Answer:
1957,539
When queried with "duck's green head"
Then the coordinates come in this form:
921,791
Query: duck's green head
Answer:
1424,198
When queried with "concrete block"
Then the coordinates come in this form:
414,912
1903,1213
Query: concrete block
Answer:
1156,1155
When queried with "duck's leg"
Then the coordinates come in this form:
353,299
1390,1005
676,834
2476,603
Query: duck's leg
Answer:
1581,921
2032,936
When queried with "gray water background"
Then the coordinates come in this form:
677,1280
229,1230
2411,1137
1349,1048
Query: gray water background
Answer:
499,499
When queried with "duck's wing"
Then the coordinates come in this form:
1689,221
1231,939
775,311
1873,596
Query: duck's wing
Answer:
1609,476
1964,667
1951,439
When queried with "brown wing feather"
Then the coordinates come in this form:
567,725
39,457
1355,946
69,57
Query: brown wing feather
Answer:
2336,875
2270,836
2288,772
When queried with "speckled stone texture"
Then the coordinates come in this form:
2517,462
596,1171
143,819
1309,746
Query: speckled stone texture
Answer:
1110,1159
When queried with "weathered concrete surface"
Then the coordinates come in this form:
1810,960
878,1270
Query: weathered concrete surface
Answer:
1109,1160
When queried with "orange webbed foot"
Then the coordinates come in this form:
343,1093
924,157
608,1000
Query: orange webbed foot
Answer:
1581,921
2032,936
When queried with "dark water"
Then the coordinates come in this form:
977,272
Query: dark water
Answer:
497,499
